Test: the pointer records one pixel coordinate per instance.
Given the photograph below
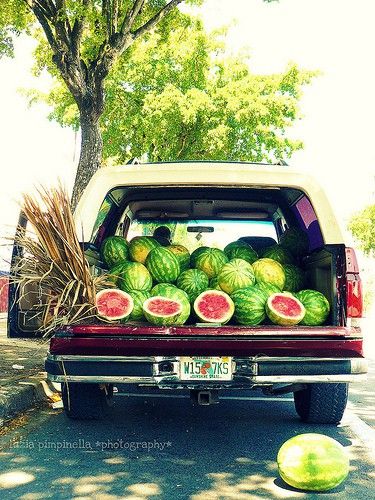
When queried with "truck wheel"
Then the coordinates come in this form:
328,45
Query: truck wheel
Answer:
85,401
321,403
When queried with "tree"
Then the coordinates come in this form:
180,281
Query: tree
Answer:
178,96
86,38
362,225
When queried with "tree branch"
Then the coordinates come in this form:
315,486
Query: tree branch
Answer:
155,19
77,31
39,14
130,17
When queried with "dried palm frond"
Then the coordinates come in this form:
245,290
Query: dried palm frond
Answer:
52,272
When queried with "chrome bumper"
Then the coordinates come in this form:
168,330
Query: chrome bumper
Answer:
164,372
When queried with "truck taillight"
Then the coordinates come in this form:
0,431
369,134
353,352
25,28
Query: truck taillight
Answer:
354,294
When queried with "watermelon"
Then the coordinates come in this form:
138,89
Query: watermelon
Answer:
294,278
114,250
268,288
115,272
134,276
249,305
214,306
214,284
240,250
211,261
138,299
140,247
278,253
172,292
195,253
162,311
163,265
316,305
313,462
269,271
193,282
182,254
236,274
284,309
296,241
113,304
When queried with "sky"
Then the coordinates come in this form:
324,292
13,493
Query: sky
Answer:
338,107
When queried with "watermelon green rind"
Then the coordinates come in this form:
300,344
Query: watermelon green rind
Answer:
114,250
193,282
140,247
195,253
182,254
269,271
244,252
268,288
278,253
161,319
113,304
115,272
163,265
224,301
281,316
139,298
313,462
235,244
316,305
294,278
214,284
235,274
296,241
211,261
249,305
172,292
134,276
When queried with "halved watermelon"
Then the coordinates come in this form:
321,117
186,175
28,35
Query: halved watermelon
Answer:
214,306
284,309
113,304
162,311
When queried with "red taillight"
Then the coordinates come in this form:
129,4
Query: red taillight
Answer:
354,294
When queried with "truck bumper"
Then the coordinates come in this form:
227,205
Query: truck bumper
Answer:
164,371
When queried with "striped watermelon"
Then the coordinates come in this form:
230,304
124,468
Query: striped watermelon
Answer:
296,241
211,261
294,278
241,250
269,271
114,250
115,273
161,311
236,274
278,253
172,292
249,306
139,299
140,247
195,253
182,254
268,288
163,265
135,276
214,284
193,282
316,305
235,244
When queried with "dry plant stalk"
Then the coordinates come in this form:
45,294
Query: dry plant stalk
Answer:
53,267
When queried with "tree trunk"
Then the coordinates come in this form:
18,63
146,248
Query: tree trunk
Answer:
90,154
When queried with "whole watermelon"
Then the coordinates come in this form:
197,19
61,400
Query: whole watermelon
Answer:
278,253
268,288
140,247
235,274
170,291
182,254
138,299
114,250
214,284
115,273
296,241
294,278
313,462
134,276
211,261
195,253
269,271
240,250
316,305
193,282
163,265
249,306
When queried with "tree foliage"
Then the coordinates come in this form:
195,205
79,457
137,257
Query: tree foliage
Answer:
179,95
362,225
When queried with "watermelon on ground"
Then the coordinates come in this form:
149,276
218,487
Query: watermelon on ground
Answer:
249,305
182,254
193,282
140,247
214,306
284,309
113,304
134,276
114,250
294,278
278,253
313,462
211,261
269,271
316,305
162,311
163,265
235,274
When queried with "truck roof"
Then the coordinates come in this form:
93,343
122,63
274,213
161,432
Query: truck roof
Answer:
205,173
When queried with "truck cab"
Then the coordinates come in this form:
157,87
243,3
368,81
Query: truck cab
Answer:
211,204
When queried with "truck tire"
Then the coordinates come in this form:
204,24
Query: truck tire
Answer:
85,401
321,403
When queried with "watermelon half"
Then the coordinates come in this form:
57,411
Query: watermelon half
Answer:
284,309
113,304
313,462
162,311
214,306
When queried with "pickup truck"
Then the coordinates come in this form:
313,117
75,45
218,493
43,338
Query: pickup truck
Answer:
211,203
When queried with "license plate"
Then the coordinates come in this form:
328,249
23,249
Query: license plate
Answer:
205,368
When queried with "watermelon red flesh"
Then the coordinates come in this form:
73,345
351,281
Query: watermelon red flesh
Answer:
284,309
286,305
163,307
113,304
214,306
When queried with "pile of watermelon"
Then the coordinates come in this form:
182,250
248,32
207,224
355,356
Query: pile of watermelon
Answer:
167,286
